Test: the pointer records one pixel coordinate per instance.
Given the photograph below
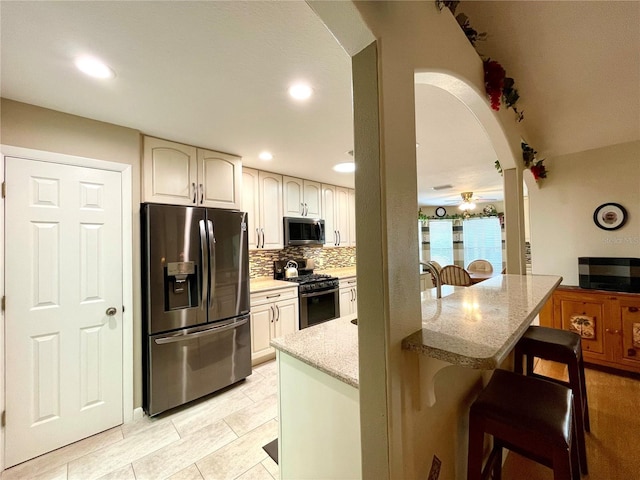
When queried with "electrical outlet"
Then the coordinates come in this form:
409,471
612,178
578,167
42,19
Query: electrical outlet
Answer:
434,473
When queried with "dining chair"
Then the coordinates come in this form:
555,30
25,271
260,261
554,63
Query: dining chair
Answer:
455,275
480,266
435,264
438,268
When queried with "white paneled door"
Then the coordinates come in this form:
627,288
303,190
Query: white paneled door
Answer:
64,305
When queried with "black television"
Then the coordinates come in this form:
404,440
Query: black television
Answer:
617,274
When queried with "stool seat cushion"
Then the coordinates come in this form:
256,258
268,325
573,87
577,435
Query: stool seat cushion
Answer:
535,406
555,342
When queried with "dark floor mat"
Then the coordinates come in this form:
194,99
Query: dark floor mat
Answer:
272,449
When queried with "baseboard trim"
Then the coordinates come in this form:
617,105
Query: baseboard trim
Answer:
138,413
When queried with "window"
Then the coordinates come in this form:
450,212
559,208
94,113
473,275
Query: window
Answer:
483,240
441,241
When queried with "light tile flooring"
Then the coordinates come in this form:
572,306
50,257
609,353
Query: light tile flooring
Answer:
220,437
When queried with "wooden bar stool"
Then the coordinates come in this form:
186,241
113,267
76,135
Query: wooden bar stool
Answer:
564,347
531,417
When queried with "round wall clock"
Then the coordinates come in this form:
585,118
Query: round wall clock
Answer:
610,216
440,212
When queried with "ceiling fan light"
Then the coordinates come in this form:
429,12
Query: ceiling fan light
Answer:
467,203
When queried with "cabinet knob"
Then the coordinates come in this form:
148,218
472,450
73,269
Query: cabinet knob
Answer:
631,352
633,309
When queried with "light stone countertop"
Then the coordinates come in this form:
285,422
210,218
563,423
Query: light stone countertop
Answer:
474,327
342,272
264,284
331,347
478,326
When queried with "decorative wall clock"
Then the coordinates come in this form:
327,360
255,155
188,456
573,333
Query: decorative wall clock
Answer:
610,216
440,212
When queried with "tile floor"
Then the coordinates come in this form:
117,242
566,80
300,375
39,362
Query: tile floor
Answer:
220,437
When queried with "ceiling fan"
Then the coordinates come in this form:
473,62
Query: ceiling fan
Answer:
469,200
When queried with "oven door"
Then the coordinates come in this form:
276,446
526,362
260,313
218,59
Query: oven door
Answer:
318,307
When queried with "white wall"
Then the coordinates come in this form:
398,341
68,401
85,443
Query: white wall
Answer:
37,128
399,431
562,227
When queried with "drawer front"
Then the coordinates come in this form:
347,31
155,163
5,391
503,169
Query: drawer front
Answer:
348,282
273,295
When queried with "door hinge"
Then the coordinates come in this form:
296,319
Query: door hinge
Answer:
4,189
3,419
4,303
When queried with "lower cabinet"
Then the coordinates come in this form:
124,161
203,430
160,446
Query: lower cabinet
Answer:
273,314
608,322
348,296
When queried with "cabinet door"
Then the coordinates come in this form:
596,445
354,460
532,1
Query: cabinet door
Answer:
219,180
251,205
293,197
342,216
262,325
346,303
588,319
352,217
329,215
354,302
170,173
287,315
312,199
630,315
271,227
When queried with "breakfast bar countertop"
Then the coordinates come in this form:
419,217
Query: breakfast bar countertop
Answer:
477,326
474,327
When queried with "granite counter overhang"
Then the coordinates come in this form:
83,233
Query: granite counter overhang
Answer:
456,328
477,327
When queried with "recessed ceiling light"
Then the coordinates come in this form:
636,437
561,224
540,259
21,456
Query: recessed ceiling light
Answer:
265,156
300,91
94,67
346,167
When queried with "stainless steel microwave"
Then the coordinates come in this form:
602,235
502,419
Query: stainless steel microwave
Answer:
303,231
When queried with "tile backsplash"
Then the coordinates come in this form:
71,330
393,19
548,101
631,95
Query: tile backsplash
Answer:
261,261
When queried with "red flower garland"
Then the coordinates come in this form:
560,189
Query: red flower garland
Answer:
494,76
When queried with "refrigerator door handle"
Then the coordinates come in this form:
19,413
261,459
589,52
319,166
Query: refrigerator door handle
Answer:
212,261
204,252
204,333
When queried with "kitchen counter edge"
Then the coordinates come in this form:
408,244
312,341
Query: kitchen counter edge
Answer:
446,347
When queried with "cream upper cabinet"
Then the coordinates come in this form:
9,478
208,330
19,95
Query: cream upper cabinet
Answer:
271,228
352,218
184,175
262,200
338,207
302,198
329,215
251,205
342,216
170,172
219,180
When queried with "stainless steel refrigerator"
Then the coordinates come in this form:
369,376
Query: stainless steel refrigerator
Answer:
196,329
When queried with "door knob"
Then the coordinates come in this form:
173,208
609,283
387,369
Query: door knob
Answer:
111,311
